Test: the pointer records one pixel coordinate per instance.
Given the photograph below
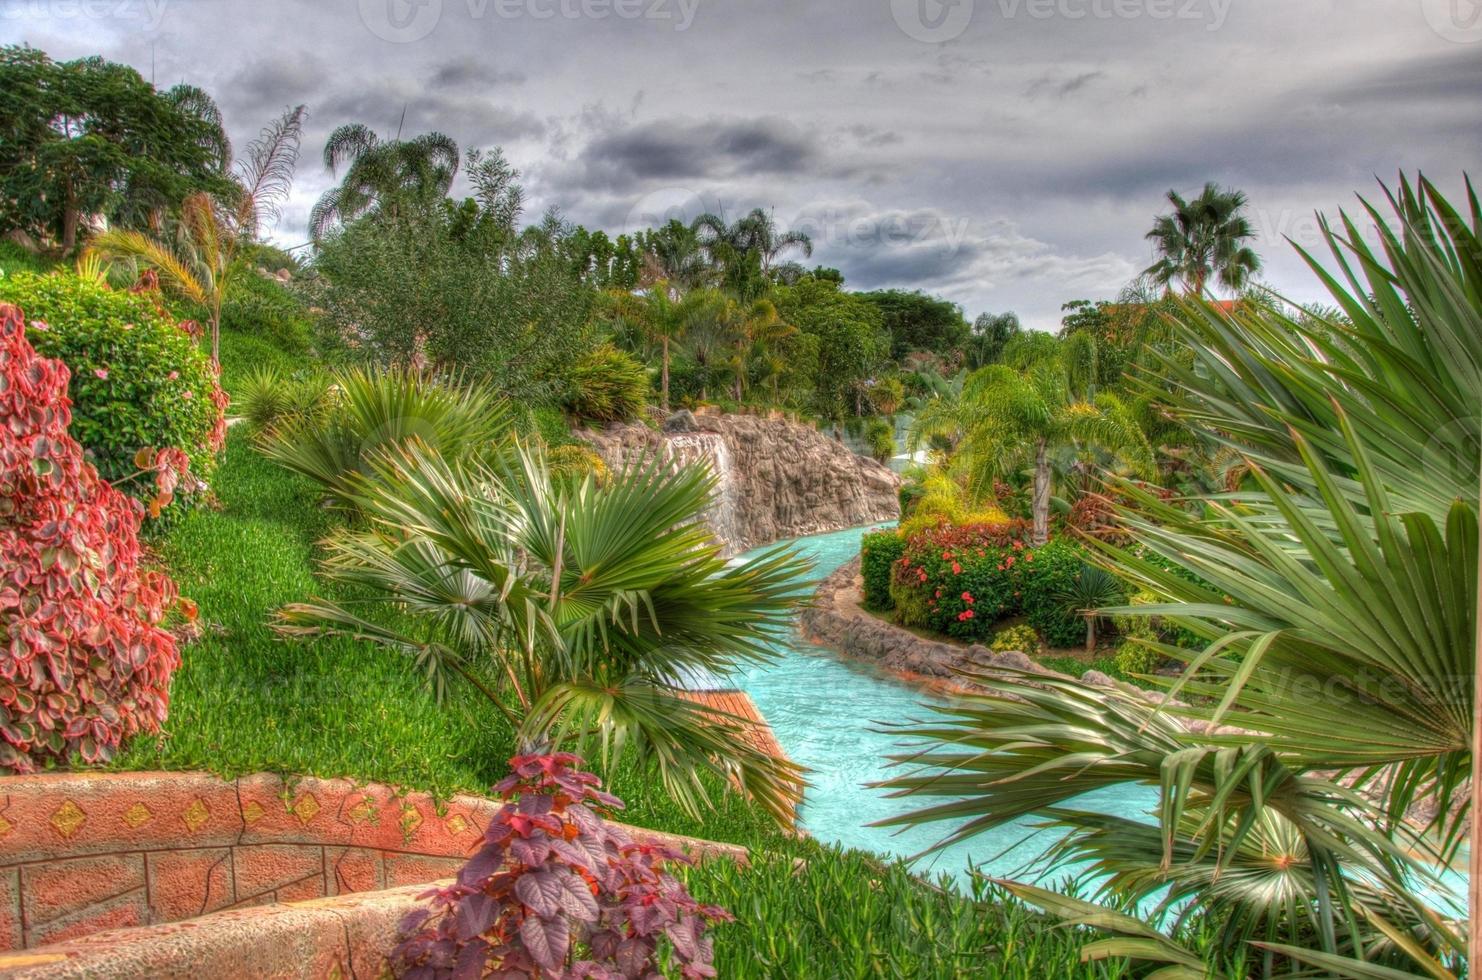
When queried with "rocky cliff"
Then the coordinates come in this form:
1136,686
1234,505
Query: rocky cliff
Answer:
777,479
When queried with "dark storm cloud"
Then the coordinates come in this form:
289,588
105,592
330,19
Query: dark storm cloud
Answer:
681,150
473,73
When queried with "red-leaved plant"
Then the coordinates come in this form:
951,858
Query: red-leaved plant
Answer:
557,892
84,659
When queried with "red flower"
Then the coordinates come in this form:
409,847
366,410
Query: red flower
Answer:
956,568
102,373
967,597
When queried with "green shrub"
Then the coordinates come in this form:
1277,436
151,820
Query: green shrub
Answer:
1136,658
269,396
878,554
138,379
880,437
550,425
261,307
607,385
574,462
375,410
1021,638
1057,565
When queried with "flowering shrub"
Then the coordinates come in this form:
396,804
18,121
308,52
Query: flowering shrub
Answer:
557,892
879,552
84,659
963,580
138,378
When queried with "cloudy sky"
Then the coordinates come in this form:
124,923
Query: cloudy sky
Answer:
1008,154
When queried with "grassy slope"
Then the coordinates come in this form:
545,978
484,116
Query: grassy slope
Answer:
245,700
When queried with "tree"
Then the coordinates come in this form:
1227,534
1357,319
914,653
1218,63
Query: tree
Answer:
991,333
661,315
918,322
90,138
201,262
744,252
673,253
455,287
381,173
571,611
851,342
1204,239
1039,403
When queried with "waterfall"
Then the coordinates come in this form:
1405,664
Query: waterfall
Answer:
724,513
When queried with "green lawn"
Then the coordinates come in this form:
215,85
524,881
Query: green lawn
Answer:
245,700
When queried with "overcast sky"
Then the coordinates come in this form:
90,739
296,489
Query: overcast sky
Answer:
1008,154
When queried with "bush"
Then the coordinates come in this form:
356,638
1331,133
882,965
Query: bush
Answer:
961,581
84,657
261,307
269,396
373,411
1021,638
880,437
878,553
1136,658
138,379
574,462
556,890
607,385
550,425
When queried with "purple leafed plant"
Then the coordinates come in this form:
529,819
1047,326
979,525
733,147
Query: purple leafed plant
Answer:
557,892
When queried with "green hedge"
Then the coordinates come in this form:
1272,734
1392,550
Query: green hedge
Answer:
138,380
878,552
964,581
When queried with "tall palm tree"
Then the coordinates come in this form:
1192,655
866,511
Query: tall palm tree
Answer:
1204,239
380,172
1039,403
200,263
575,610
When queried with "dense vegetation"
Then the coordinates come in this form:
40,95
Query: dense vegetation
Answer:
408,570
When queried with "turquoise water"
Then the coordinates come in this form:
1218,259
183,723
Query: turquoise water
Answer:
826,713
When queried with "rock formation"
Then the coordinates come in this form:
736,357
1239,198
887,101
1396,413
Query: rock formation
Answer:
776,478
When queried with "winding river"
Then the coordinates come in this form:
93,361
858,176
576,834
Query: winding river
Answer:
826,712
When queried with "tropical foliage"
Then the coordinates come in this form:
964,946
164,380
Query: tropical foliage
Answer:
576,610
1204,239
1335,597
87,655
138,379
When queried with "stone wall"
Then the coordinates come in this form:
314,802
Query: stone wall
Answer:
84,852
785,479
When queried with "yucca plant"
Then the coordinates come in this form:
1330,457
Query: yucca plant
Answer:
268,397
371,410
1336,595
576,609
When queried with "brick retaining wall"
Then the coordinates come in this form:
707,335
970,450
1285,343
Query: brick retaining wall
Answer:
84,852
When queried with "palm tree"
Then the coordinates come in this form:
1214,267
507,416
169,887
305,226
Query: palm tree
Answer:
200,263
574,610
1203,239
380,173
1337,598
662,315
1038,403
746,250
745,325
